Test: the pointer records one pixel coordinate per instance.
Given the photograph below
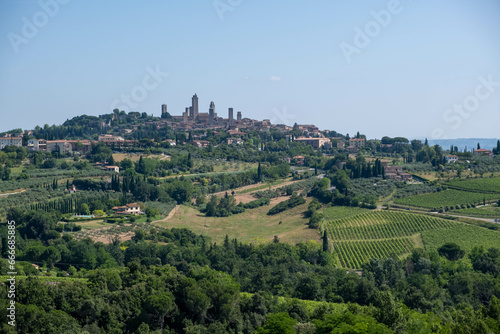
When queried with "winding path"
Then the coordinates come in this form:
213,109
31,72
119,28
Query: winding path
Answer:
170,215
13,193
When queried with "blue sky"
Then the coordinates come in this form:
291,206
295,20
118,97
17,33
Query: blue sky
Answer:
280,60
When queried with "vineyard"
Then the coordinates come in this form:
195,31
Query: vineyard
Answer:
489,211
478,185
378,234
352,254
383,224
466,236
445,198
337,212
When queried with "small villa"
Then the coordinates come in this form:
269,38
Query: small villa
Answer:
128,209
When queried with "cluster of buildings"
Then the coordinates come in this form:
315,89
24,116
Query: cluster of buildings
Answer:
324,142
451,158
64,146
14,141
396,172
191,118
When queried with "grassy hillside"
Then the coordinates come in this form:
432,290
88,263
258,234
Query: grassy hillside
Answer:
253,225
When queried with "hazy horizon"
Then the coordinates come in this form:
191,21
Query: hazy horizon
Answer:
383,68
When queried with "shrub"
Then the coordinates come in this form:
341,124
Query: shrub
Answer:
288,204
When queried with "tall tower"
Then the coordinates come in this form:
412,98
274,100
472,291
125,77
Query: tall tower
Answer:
211,113
194,104
230,116
238,116
164,113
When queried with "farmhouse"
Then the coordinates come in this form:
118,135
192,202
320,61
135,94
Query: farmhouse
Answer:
14,141
235,141
61,146
200,143
128,209
115,169
397,173
451,159
110,138
299,159
483,152
357,142
314,142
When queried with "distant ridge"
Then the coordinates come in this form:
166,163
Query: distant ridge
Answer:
461,143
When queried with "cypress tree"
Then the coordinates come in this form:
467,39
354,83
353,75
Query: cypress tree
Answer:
325,242
203,245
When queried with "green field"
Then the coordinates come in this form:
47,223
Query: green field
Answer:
379,234
450,197
479,185
466,236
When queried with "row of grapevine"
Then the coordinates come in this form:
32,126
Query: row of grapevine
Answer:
380,225
353,254
377,217
466,236
477,185
450,197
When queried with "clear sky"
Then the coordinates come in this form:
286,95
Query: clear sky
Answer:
398,68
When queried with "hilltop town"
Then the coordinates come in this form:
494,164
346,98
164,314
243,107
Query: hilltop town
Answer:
275,215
